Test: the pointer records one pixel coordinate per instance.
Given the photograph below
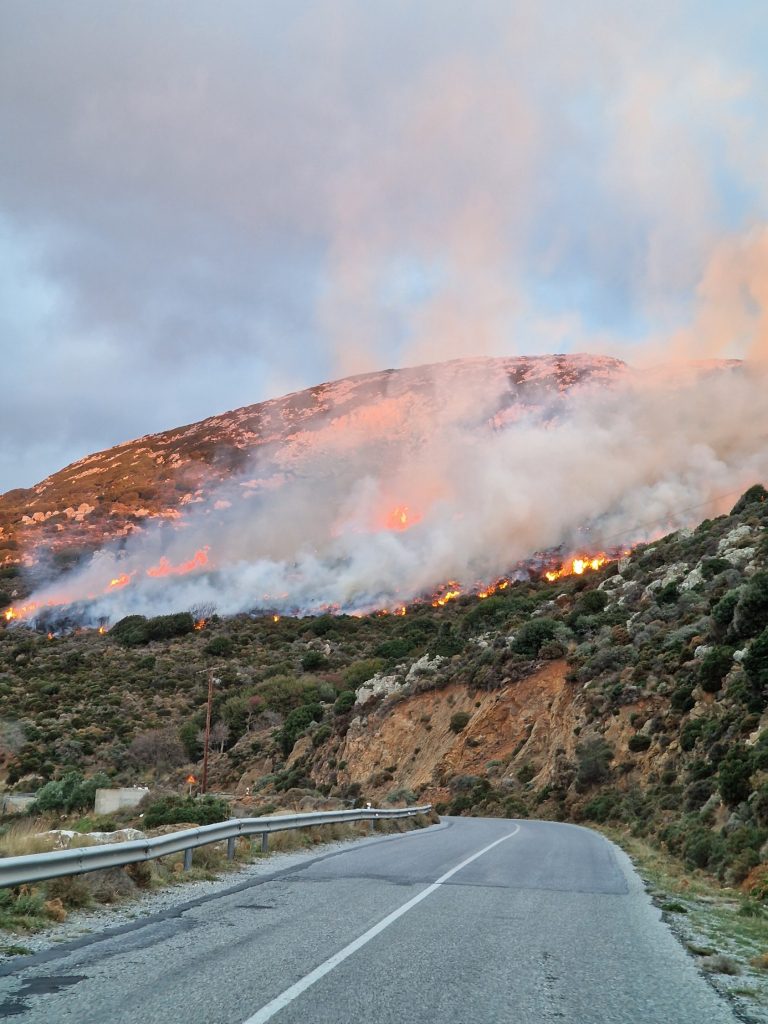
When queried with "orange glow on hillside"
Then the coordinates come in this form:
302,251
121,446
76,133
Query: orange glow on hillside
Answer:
165,568
200,624
401,518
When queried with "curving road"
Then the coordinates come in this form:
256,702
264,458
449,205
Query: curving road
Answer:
470,921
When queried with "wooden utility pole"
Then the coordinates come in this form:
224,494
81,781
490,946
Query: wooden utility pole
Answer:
207,742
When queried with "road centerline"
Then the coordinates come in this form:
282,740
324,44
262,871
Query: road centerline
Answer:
294,991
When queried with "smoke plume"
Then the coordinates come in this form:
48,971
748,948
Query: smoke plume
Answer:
388,509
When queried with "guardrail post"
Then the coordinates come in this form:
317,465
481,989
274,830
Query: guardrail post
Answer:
37,867
231,848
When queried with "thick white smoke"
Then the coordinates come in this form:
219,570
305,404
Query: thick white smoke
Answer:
602,467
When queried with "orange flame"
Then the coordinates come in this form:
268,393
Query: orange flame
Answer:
501,584
21,611
401,518
448,592
200,624
165,568
102,630
275,618
577,566
121,581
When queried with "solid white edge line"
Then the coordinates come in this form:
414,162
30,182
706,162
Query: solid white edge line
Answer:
279,1002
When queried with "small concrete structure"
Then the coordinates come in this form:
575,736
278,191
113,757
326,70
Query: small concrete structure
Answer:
16,803
110,800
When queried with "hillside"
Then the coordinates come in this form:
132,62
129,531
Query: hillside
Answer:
164,477
374,491
633,693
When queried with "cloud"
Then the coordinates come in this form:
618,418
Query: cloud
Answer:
204,209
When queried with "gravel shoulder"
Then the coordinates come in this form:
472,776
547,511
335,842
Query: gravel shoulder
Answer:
725,933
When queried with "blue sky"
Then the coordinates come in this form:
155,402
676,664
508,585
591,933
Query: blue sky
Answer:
203,206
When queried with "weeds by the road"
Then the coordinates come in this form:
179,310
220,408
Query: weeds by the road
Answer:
27,908
725,931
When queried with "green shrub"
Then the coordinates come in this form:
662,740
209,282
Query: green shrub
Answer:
697,794
70,793
604,807
714,667
756,661
360,672
324,624
639,742
188,737
448,642
134,630
313,660
393,650
711,567
751,614
296,722
591,603
283,693
220,647
754,496
668,594
344,702
722,613
491,611
172,810
733,779
319,736
402,795
532,635
690,733
130,631
459,721
682,699
702,848
594,759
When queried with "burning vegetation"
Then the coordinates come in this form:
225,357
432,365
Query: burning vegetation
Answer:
443,594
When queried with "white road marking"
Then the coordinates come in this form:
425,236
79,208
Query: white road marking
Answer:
279,1002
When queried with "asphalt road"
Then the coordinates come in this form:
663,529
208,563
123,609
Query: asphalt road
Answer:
470,921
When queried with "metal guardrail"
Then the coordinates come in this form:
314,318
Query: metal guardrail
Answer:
37,867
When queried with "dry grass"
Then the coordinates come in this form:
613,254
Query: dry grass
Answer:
22,838
30,908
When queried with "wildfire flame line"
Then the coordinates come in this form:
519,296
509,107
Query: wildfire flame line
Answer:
577,566
163,568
